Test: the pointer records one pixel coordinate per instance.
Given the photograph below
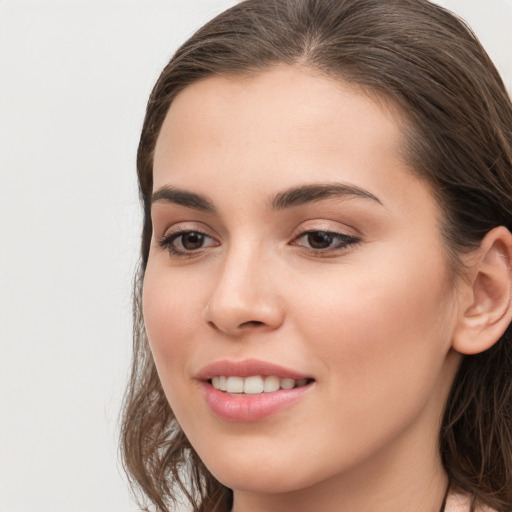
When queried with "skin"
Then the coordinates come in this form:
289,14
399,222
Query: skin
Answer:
371,321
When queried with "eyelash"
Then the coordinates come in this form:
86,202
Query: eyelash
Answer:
167,242
345,241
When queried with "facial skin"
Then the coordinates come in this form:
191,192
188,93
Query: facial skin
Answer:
369,315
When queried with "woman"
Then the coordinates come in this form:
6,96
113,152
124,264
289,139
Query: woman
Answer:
323,304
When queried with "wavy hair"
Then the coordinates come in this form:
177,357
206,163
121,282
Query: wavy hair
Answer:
459,140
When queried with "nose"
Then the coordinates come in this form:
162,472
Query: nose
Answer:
245,297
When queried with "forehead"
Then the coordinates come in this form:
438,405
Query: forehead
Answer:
277,117
241,140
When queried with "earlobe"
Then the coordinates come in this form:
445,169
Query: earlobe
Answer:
488,312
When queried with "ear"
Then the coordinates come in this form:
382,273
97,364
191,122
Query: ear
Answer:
487,310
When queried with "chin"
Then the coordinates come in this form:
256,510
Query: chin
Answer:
256,479
261,471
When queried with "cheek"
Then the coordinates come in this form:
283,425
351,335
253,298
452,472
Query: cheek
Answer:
172,312
379,332
380,342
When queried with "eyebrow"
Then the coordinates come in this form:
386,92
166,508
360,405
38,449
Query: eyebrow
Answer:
310,193
169,194
295,196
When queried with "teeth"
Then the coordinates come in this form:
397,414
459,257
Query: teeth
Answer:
223,383
220,383
271,384
235,385
287,383
254,384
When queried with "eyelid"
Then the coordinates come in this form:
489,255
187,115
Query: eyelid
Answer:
185,226
324,225
344,238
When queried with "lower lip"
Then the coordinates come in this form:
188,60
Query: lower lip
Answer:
247,408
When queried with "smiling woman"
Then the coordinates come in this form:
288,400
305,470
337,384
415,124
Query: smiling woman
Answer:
323,304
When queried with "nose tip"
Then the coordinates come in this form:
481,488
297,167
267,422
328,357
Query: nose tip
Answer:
239,305
236,319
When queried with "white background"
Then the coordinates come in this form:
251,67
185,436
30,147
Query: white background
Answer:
74,80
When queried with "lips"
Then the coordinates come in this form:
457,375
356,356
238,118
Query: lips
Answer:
248,368
251,390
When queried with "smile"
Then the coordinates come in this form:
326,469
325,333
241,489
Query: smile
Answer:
255,384
251,390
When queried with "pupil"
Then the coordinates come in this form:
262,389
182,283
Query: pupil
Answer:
192,240
319,240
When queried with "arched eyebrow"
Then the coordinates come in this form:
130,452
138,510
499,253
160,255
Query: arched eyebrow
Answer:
316,192
295,196
169,194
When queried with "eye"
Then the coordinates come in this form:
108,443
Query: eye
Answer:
324,241
183,243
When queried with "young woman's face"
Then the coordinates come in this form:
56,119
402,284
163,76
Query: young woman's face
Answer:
293,248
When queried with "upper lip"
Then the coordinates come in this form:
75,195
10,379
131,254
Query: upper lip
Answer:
247,368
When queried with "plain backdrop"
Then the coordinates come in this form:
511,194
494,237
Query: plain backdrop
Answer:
74,79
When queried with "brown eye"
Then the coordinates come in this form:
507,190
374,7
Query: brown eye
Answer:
192,240
324,242
319,239
185,243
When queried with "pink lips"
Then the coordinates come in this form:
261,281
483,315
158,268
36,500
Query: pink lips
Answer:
247,408
246,368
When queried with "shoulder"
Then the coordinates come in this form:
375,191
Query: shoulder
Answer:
458,502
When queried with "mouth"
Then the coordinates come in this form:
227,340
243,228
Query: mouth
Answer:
251,390
256,384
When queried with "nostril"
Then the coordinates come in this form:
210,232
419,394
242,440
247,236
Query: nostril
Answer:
252,323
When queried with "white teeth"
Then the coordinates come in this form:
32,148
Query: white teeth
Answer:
220,382
223,383
235,385
287,383
254,384
271,384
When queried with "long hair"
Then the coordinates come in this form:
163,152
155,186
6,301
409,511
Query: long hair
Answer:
459,140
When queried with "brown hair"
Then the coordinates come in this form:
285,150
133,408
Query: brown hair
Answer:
430,64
